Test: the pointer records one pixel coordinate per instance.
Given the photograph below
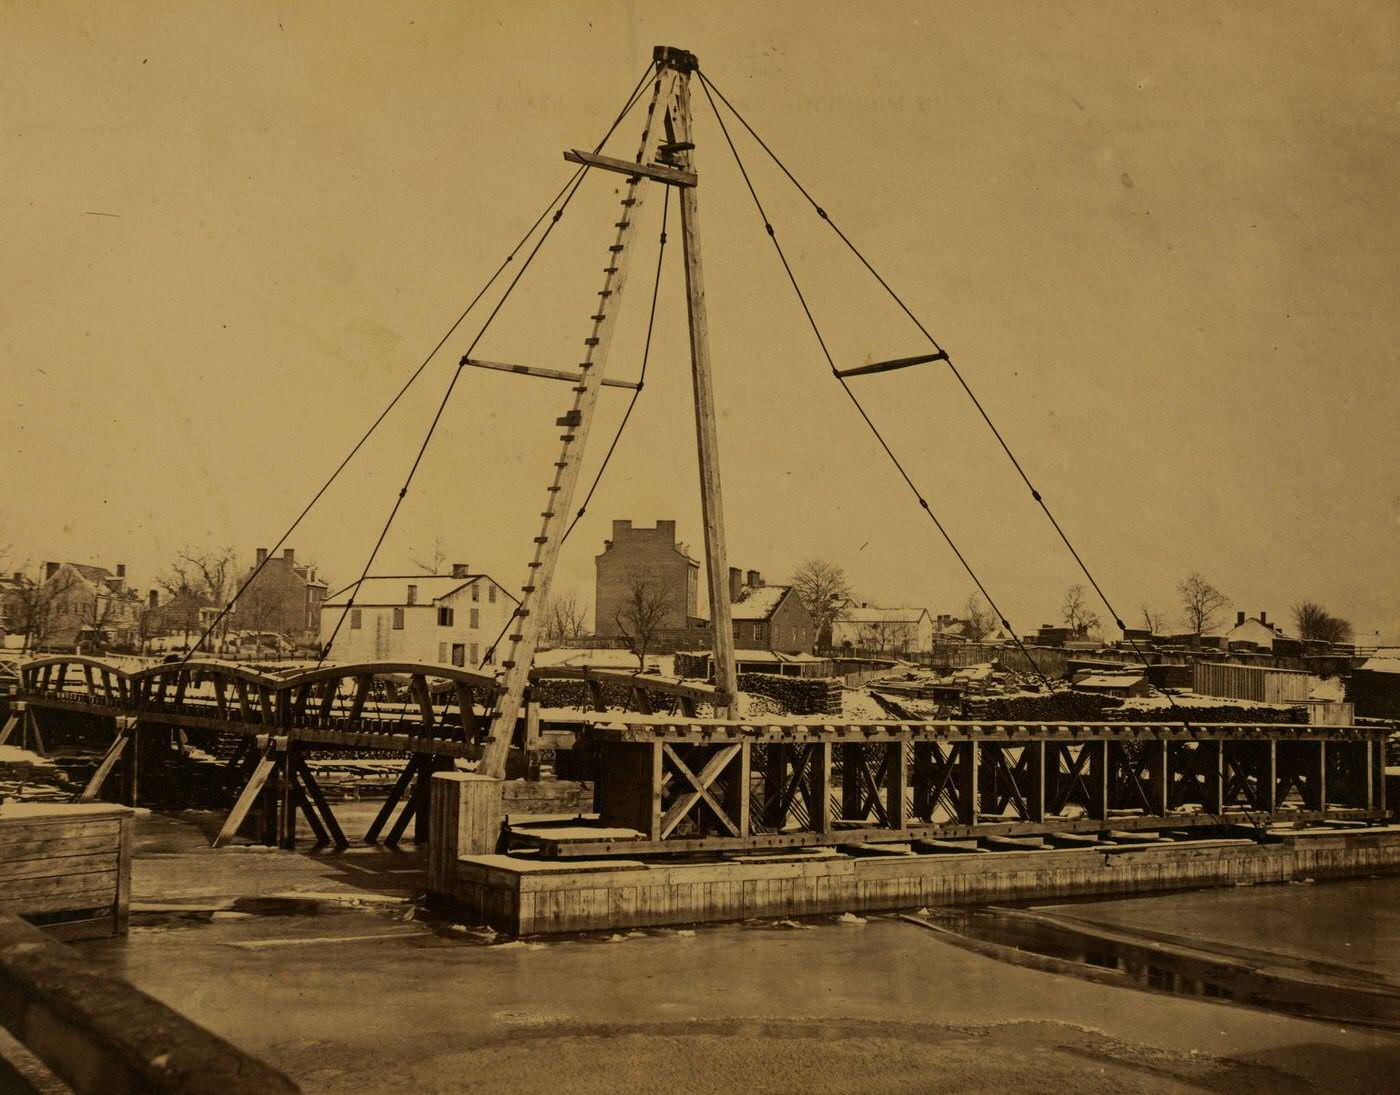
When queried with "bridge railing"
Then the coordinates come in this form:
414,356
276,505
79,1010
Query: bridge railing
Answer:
100,1035
694,785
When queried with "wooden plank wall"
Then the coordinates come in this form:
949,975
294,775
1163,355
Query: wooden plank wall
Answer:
1247,682
57,861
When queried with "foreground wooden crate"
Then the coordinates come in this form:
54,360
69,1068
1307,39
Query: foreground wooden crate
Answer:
65,866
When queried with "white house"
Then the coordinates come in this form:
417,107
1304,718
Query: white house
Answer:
446,619
863,627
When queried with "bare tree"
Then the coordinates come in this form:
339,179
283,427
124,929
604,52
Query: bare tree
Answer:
822,589
980,619
432,561
563,617
183,598
1078,616
1153,621
886,636
1315,622
36,610
259,611
642,614
1201,603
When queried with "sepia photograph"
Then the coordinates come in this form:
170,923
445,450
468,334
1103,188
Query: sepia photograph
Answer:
576,547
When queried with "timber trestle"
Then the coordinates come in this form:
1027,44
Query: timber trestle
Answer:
433,715
697,786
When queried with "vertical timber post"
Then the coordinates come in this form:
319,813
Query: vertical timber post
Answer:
712,509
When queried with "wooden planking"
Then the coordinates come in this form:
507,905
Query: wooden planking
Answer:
59,866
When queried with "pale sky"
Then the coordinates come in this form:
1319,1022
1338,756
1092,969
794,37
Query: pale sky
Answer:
1161,242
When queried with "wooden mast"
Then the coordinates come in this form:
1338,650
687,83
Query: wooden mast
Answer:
680,152
670,103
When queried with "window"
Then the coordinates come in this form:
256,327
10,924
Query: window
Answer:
474,655
442,652
476,617
398,618
476,591
459,654
444,616
491,593
413,595
354,619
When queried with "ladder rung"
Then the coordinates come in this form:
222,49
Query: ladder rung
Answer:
508,664
553,490
590,341
605,292
527,589
547,513
566,437
535,564
598,318
516,638
561,463
629,201
609,269
541,539
622,224
615,248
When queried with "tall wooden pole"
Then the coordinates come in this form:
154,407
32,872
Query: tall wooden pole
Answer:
681,149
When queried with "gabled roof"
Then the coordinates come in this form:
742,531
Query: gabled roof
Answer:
1254,631
869,614
758,604
392,590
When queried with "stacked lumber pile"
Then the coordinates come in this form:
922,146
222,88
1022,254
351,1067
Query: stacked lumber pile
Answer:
799,695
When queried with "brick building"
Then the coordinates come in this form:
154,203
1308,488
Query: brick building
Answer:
768,617
285,598
651,555
448,619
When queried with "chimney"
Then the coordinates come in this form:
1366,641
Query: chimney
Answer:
736,583
1264,618
153,599
755,579
1239,618
262,556
667,528
620,528
459,570
121,570
50,569
289,555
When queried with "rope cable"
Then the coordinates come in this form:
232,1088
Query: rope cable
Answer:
258,568
821,341
626,415
957,373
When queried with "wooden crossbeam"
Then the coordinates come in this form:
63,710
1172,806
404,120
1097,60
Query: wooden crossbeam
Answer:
889,366
267,762
545,374
673,176
318,799
700,788
104,769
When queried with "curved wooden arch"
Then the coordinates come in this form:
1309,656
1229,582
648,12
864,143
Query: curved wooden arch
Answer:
378,669
212,666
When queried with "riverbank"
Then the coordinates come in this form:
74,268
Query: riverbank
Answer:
323,966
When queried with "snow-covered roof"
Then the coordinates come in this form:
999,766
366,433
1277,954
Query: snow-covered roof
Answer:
1381,665
393,590
869,614
1108,680
757,603
1254,631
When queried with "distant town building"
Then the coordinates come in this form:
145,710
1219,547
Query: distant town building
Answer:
1374,687
768,617
13,590
653,558
1255,634
285,598
865,627
79,604
445,619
